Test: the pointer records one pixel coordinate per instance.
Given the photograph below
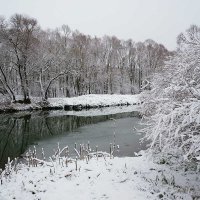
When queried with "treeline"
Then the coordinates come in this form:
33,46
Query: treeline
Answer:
64,63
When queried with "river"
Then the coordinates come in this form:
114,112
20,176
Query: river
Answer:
45,129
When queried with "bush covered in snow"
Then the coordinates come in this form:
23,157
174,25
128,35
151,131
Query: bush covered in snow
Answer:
173,104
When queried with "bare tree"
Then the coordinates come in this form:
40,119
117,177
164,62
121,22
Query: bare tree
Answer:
19,37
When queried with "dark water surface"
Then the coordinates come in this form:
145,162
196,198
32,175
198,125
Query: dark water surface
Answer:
44,129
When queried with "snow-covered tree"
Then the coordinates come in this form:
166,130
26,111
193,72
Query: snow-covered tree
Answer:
173,104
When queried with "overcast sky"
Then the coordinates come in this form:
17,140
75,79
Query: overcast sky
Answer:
160,20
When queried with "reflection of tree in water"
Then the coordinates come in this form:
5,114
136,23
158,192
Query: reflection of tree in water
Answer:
6,139
13,133
25,133
18,131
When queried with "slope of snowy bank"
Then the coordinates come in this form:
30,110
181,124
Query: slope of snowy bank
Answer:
119,178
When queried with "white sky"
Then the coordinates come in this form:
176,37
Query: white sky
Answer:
160,20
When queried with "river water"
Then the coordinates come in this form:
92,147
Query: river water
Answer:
45,129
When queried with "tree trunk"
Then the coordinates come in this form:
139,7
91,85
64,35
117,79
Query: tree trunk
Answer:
6,85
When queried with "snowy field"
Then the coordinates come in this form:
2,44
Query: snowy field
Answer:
103,178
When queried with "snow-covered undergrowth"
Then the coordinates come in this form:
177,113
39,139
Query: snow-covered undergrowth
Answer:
102,177
174,129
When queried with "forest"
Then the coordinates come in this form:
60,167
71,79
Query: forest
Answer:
65,63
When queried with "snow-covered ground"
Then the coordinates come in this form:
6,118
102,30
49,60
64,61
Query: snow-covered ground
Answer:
127,178
96,100
106,178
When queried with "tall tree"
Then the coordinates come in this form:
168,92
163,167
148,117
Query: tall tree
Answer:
20,39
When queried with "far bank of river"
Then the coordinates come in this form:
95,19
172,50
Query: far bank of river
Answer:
83,102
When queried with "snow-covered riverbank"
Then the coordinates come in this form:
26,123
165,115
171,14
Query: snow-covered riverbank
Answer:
117,178
74,103
128,178
97,111
96,100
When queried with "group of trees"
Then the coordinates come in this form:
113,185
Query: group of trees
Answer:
64,63
173,104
